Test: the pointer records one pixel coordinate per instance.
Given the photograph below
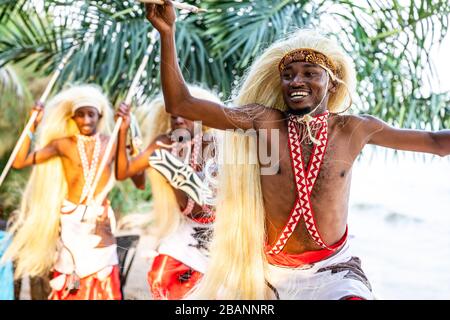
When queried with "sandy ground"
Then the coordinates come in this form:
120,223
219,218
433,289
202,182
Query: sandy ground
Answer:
136,287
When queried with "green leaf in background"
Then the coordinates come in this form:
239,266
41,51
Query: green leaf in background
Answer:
389,41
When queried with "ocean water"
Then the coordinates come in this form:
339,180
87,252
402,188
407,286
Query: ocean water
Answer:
399,223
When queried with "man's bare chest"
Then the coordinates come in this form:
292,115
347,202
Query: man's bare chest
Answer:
332,171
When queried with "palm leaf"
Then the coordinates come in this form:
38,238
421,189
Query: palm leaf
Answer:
388,40
242,29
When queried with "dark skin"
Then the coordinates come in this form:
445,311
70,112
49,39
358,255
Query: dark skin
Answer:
86,119
126,167
303,86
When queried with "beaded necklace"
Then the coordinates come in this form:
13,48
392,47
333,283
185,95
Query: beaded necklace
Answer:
197,142
89,170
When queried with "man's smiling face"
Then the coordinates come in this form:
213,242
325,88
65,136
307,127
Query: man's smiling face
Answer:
304,85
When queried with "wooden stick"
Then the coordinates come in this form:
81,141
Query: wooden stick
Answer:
52,82
131,92
34,114
178,5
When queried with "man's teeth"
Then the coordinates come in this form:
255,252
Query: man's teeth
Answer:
299,94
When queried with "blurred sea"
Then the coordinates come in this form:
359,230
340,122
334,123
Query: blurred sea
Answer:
399,223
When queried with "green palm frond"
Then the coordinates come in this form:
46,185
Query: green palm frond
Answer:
113,36
242,29
33,39
197,61
388,40
391,45
9,6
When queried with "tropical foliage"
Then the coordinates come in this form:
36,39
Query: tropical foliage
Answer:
389,40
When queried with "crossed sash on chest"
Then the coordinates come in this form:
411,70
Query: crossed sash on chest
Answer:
305,177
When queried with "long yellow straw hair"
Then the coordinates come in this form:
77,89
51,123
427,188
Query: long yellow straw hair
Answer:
35,228
155,121
238,264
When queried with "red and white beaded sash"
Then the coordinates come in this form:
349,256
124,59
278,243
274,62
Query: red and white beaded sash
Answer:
304,180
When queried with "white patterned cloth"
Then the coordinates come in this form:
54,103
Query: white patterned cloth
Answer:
337,277
78,244
188,244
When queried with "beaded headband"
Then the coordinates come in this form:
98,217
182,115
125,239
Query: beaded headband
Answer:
308,55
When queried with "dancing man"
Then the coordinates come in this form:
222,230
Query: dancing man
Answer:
183,225
281,227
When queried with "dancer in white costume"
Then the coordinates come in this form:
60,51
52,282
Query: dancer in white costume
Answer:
59,216
183,216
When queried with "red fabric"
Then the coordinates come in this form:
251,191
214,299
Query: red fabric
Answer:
91,288
354,298
309,257
203,219
304,180
170,279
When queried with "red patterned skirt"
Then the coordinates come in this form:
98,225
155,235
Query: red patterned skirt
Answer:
91,288
170,279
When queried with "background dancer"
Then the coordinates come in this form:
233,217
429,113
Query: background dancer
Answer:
70,143
182,226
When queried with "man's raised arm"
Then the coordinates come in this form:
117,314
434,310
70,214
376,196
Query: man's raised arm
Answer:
125,168
177,98
24,158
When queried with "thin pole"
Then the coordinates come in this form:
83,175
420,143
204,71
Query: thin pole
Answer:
34,114
131,92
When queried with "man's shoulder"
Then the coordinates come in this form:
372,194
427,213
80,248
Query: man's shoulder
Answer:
64,146
264,116
349,119
64,141
353,123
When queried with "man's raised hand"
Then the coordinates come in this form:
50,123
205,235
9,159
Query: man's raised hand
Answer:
124,113
162,17
39,108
